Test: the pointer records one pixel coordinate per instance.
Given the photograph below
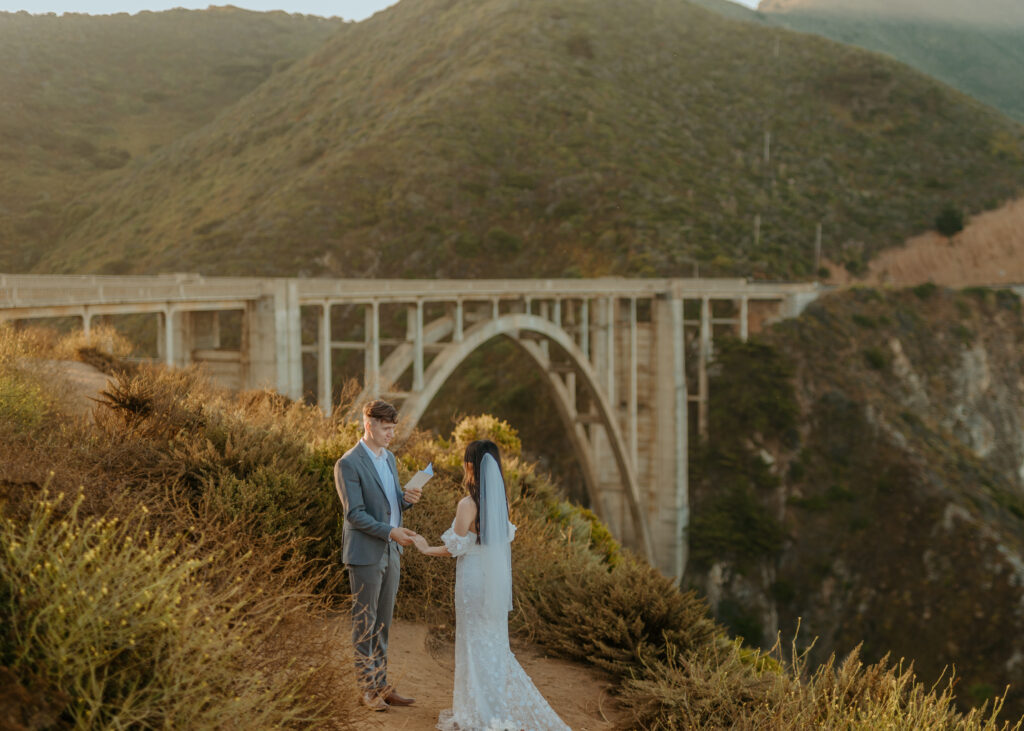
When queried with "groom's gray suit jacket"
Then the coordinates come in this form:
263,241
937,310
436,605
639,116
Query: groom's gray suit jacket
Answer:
366,507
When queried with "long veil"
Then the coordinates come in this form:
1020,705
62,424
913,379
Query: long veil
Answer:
494,536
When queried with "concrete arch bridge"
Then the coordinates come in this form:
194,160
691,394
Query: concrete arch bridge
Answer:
626,359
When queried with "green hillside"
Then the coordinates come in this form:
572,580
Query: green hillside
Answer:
531,138
986,62
81,95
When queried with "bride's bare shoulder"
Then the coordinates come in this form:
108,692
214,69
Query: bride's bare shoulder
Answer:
465,515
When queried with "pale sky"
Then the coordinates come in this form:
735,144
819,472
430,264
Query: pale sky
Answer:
348,9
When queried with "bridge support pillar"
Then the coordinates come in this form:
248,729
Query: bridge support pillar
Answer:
288,339
668,499
325,395
272,341
172,338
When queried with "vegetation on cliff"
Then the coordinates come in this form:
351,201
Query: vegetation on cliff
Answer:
168,562
872,452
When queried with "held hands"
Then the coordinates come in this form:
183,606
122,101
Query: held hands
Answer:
421,543
404,536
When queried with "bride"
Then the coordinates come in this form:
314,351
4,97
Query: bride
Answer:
491,689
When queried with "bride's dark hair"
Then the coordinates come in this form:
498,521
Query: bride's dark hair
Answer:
475,452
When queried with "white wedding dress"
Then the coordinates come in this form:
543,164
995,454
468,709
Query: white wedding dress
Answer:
492,692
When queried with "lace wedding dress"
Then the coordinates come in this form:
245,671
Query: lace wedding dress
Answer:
492,692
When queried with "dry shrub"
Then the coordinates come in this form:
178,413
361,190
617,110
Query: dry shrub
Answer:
615,619
722,686
254,456
102,340
19,343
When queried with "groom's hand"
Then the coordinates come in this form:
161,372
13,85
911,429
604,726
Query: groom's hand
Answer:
413,495
403,536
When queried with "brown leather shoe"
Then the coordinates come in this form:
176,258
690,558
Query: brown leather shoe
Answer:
390,695
374,701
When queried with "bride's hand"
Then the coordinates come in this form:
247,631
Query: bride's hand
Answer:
421,543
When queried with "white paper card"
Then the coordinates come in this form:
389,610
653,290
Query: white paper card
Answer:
418,480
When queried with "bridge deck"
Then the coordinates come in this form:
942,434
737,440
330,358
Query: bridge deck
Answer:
19,292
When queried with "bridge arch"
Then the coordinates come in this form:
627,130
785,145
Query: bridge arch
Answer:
525,330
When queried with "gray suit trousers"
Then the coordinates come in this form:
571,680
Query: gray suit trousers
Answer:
374,587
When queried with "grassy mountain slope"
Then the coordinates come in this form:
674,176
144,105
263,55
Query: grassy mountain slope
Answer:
992,13
985,61
520,137
81,95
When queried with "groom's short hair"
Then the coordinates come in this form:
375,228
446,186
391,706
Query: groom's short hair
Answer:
380,410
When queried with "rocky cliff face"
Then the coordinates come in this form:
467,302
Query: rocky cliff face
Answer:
865,478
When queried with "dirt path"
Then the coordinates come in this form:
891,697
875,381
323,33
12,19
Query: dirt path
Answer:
424,670
74,385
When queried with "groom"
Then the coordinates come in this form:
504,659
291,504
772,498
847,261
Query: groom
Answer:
372,499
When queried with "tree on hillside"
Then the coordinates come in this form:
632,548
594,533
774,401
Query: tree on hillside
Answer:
950,221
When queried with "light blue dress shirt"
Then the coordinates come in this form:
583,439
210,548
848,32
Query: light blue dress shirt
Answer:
387,479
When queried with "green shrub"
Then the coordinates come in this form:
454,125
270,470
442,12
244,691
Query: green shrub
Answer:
734,525
582,523
926,290
128,627
963,333
618,620
950,221
501,241
864,321
23,405
1008,300
741,621
487,427
876,358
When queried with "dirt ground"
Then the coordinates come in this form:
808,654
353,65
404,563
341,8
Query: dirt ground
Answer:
74,385
424,670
